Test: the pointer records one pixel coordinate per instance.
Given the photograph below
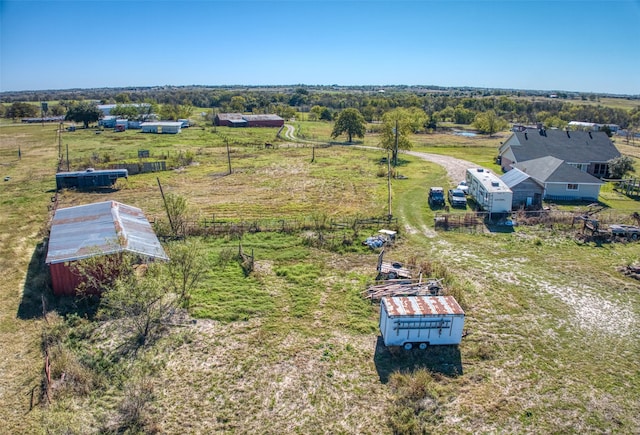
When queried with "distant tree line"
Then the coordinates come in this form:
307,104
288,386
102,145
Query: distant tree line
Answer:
454,105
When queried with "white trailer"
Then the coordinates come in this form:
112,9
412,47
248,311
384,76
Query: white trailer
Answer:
489,191
420,321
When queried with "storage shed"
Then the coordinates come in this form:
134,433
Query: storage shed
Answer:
170,127
242,120
527,192
89,179
420,321
99,229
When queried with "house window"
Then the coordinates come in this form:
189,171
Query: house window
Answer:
600,169
572,187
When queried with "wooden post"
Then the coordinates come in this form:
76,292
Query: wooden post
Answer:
228,154
173,230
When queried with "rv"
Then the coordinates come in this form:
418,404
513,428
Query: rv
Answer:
489,191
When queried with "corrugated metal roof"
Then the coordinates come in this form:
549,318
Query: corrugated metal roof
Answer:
514,177
422,306
98,229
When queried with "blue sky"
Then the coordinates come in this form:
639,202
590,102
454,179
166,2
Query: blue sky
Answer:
585,46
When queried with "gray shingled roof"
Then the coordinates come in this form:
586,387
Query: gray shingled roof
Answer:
552,170
572,146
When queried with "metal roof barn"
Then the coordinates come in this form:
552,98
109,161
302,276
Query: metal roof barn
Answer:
97,229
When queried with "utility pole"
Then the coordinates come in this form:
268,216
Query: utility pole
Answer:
60,141
395,148
389,183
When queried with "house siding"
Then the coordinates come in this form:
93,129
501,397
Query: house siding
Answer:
559,191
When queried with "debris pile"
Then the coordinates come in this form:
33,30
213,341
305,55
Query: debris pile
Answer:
632,271
403,288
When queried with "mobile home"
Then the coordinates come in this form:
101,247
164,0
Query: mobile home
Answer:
420,321
489,191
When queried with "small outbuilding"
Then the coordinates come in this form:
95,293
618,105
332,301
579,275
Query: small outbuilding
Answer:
420,321
170,127
90,179
99,229
242,120
527,192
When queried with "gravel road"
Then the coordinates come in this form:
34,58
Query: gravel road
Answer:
456,168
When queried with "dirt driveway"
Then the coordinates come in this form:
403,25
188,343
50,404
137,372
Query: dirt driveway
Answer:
456,168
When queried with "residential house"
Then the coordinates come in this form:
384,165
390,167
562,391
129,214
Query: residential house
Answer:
561,181
587,151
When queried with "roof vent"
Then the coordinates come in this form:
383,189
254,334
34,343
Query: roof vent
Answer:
495,183
480,170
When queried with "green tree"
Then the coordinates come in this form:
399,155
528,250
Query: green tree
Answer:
351,122
620,166
186,268
142,300
126,111
21,110
489,123
57,110
176,111
463,116
320,112
397,126
238,103
123,98
85,112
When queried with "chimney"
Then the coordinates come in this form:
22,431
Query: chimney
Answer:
539,126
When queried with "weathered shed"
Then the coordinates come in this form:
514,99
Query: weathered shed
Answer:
527,192
99,229
89,179
421,321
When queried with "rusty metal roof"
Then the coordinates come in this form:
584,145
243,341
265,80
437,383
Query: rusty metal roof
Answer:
99,229
421,306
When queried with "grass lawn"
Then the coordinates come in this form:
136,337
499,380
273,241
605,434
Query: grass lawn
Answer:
294,347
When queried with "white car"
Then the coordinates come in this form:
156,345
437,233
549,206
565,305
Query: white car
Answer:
464,187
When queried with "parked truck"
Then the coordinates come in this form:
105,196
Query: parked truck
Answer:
488,191
420,321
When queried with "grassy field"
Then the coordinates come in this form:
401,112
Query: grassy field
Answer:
294,347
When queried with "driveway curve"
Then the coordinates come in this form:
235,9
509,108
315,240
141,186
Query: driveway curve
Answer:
456,168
